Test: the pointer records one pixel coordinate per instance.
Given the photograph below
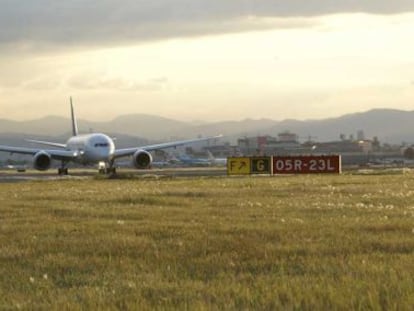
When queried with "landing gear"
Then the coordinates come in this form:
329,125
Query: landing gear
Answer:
102,168
111,170
108,170
63,170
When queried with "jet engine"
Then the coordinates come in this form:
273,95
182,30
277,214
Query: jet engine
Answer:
142,159
42,161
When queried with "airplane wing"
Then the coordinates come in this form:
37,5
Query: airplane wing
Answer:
47,143
55,154
130,151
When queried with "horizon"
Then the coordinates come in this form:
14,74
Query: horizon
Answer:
209,61
328,129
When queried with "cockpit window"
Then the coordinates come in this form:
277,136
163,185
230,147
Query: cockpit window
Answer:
101,145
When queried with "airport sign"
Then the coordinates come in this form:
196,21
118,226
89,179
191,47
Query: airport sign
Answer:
238,166
261,165
307,164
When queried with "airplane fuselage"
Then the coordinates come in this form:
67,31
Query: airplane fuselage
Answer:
91,148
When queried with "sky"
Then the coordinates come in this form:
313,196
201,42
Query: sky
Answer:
205,60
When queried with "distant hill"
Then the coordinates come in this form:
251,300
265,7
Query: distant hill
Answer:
142,125
44,126
392,126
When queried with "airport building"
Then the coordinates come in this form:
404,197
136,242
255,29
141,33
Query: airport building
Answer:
360,151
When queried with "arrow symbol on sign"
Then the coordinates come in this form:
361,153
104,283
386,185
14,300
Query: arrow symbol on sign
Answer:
242,164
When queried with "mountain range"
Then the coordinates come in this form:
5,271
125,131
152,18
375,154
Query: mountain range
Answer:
389,125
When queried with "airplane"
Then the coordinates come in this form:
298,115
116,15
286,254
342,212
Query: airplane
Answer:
209,161
216,161
168,161
185,159
93,148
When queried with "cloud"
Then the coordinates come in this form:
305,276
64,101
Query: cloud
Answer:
85,82
27,24
42,83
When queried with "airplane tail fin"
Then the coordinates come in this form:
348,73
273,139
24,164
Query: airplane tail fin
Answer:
210,156
74,122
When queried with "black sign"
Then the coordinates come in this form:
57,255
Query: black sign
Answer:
261,165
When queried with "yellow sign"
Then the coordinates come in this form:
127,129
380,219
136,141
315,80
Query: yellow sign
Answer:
238,166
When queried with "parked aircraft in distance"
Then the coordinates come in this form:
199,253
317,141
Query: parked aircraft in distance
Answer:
93,148
168,161
216,161
188,160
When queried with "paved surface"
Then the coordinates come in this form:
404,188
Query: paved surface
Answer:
10,176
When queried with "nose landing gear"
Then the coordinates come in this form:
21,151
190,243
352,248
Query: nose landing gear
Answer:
108,170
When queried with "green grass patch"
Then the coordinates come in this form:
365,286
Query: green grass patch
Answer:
295,243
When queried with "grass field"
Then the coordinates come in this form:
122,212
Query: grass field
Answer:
292,243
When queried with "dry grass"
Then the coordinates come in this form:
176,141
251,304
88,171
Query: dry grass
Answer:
308,243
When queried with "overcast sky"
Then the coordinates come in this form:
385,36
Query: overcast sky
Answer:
205,60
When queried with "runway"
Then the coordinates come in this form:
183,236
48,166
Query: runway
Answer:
11,176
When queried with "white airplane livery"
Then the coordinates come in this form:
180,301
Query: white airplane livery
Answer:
87,149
